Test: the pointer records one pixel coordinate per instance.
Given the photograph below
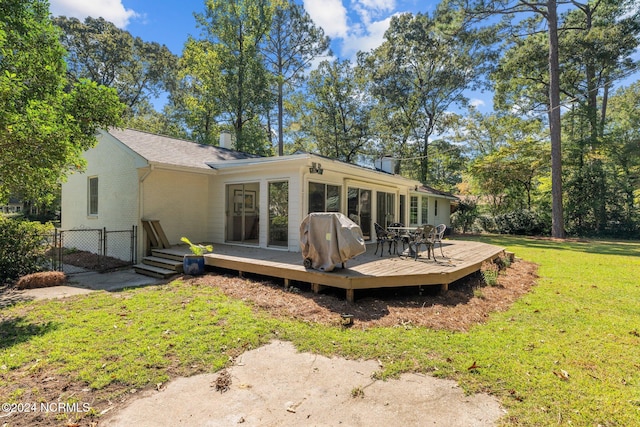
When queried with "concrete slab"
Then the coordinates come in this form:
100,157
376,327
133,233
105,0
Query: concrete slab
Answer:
111,281
275,385
80,284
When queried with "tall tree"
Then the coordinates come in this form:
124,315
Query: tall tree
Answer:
623,134
232,32
542,16
197,96
595,42
483,10
423,67
98,50
293,42
339,112
45,121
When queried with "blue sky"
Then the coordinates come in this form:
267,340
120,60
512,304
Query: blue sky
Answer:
353,25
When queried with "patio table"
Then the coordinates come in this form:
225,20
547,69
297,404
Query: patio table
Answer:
406,234
409,236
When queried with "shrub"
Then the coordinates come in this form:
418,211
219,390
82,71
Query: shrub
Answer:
490,271
521,222
484,223
22,247
464,217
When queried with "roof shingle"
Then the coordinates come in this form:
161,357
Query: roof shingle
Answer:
174,152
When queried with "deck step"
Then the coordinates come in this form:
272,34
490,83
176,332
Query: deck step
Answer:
152,271
162,262
173,254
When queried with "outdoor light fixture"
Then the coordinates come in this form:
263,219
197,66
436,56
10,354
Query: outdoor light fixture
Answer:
316,168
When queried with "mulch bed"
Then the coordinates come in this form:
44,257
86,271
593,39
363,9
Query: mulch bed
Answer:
468,301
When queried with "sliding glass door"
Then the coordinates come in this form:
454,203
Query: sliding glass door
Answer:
385,214
243,213
359,209
279,214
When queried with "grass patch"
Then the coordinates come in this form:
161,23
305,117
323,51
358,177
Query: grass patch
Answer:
566,353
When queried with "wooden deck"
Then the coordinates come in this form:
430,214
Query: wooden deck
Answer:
365,271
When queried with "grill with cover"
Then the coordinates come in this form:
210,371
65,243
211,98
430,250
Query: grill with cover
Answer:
328,239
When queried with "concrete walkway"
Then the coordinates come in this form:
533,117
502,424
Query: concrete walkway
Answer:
79,284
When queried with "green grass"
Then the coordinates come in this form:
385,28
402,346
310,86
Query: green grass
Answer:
582,319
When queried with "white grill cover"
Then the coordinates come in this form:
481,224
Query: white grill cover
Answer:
329,238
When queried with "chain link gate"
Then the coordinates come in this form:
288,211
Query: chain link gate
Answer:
95,249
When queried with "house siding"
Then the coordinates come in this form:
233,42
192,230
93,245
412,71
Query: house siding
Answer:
117,176
178,200
184,186
263,176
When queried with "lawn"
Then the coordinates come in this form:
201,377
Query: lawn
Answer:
565,353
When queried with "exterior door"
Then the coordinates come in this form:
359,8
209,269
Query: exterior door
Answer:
243,213
279,214
359,209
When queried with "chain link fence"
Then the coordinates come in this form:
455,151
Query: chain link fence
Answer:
78,250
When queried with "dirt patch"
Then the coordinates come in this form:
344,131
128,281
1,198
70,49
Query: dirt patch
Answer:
92,261
468,301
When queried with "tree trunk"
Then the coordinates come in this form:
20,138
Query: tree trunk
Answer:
557,215
280,120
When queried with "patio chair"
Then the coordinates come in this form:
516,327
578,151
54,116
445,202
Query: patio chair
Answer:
400,236
437,238
383,236
423,236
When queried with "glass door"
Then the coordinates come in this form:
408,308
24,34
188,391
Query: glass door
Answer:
385,214
243,213
278,214
359,209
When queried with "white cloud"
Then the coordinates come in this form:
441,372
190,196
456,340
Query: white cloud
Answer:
330,15
368,10
477,103
369,37
111,10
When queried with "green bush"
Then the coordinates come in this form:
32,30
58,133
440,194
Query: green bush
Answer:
521,222
464,217
484,223
22,247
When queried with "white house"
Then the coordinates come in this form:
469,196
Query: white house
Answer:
216,194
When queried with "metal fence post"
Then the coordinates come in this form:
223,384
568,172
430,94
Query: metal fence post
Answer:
134,239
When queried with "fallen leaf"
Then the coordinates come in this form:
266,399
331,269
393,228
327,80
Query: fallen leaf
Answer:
563,375
474,366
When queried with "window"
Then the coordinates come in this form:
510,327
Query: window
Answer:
93,196
435,204
413,210
324,197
